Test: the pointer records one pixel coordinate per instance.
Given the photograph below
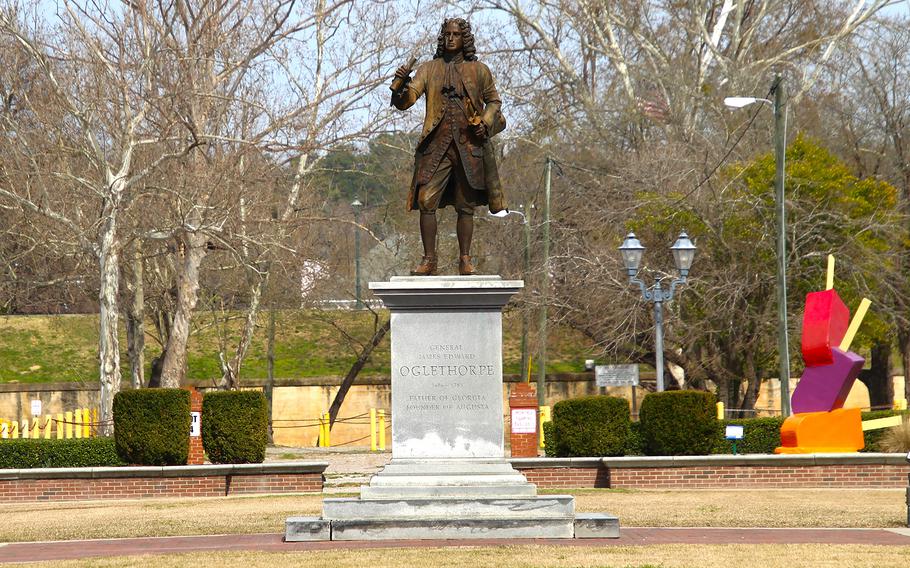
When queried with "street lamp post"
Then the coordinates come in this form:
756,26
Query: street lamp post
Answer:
780,154
526,271
683,255
356,205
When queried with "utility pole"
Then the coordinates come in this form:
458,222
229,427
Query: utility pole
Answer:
525,316
358,299
780,154
544,291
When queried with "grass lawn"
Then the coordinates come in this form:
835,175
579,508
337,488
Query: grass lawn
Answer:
859,508
506,556
64,348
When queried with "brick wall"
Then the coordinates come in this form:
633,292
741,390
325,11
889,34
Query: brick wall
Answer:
761,476
83,484
719,472
568,477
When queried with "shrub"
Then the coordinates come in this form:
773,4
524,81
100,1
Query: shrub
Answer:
760,436
152,426
549,438
896,439
34,453
635,446
679,423
874,438
591,426
235,426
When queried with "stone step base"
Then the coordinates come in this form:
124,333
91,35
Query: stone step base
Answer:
497,491
299,529
435,478
550,506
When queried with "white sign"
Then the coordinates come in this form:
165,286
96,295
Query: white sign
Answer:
195,424
616,375
36,407
524,420
734,432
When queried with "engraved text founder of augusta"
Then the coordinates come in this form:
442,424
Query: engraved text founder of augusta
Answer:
455,161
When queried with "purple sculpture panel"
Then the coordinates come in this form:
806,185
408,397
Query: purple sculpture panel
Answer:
825,387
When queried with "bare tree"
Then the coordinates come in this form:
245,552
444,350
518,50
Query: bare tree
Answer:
86,135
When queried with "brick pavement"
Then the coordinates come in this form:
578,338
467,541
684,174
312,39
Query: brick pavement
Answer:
67,550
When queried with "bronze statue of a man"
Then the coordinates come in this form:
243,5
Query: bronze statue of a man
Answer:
455,162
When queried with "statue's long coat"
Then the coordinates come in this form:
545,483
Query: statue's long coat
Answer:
479,159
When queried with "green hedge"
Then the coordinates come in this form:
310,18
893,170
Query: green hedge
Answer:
679,423
152,426
549,438
635,445
34,453
235,426
760,436
591,426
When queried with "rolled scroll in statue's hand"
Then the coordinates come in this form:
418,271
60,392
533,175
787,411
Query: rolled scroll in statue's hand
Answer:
402,74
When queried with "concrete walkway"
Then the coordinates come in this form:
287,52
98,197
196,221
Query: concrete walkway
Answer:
75,549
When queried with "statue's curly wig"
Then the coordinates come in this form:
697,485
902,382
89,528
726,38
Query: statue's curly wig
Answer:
468,50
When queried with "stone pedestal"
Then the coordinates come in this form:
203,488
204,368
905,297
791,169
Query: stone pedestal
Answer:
448,477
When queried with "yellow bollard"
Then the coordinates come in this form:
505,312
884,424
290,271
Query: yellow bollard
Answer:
59,425
77,418
86,423
36,428
720,411
96,423
4,429
544,417
903,404
381,430
47,426
321,432
25,433
328,431
372,429
15,429
68,423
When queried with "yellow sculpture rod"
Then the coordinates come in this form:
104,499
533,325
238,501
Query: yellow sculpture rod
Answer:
830,282
855,323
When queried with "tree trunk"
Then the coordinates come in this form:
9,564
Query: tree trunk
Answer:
348,380
270,373
135,320
878,377
109,342
230,378
903,338
192,251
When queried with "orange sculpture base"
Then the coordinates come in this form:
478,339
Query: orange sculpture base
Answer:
838,431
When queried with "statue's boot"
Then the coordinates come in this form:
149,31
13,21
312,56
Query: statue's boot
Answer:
465,266
427,267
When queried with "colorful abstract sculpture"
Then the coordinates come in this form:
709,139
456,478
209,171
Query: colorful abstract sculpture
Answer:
820,423
824,325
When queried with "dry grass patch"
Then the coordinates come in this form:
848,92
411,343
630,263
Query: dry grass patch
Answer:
867,508
847,508
666,556
25,522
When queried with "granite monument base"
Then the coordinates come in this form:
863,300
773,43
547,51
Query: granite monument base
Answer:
448,478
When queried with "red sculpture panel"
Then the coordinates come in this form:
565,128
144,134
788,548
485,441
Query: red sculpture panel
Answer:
825,322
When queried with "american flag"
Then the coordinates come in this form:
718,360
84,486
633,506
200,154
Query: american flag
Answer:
654,106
